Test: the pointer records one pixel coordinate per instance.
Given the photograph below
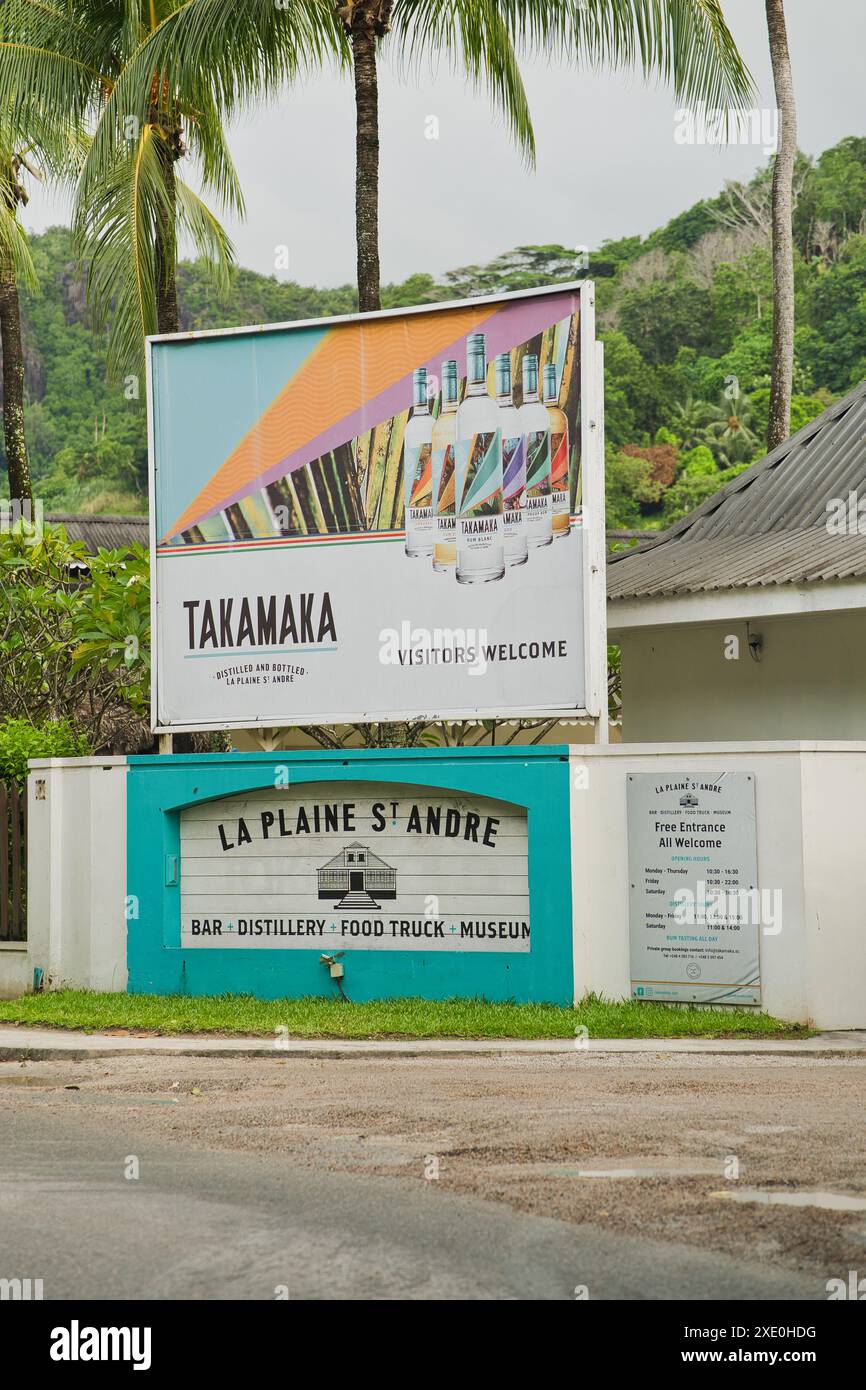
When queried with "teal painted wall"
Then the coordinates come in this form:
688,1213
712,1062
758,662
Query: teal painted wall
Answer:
159,788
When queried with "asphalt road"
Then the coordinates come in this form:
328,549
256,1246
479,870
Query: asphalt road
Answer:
259,1176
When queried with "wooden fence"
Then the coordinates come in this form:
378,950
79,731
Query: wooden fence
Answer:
13,862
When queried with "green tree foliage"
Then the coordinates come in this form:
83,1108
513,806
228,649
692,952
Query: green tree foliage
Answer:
688,227
633,392
74,636
835,349
831,205
803,409
741,297
520,269
691,489
629,484
254,299
662,317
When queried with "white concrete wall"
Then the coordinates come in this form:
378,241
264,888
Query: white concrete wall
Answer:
834,815
16,972
810,803
809,683
810,806
76,872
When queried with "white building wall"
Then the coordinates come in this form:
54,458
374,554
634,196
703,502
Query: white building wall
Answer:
810,682
810,804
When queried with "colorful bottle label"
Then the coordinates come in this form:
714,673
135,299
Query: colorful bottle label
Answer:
559,461
513,482
444,484
559,482
479,475
537,468
479,505
445,518
418,479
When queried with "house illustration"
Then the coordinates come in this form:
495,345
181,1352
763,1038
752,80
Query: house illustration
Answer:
357,878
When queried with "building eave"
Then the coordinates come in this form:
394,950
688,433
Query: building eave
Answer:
735,605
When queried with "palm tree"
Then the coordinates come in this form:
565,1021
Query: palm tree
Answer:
729,434
54,149
15,266
781,384
156,80
477,33
688,419
686,41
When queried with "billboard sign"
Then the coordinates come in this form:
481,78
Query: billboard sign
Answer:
384,516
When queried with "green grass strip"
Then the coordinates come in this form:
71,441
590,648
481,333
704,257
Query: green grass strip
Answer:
238,1015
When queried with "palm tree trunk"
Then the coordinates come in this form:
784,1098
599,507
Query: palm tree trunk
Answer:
17,464
166,249
366,22
366,166
779,423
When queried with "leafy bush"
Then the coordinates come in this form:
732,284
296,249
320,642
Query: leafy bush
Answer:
20,740
628,484
74,636
699,463
691,489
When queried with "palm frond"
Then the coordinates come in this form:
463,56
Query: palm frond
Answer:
48,60
57,145
684,42
210,240
475,35
116,235
242,51
14,248
206,138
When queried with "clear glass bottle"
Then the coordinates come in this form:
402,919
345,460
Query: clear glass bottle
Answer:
513,466
418,470
444,433
559,482
535,426
478,468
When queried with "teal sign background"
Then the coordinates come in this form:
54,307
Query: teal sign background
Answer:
159,788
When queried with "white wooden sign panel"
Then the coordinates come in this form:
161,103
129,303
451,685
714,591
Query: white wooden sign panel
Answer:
355,866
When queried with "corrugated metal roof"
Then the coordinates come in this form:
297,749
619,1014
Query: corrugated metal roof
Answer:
769,526
102,532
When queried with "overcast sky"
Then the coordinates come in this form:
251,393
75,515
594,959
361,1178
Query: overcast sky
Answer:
608,164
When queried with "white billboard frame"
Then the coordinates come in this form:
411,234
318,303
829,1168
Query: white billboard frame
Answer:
594,551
